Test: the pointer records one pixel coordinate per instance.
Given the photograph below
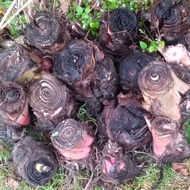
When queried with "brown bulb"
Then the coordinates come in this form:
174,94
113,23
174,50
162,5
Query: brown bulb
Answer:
47,64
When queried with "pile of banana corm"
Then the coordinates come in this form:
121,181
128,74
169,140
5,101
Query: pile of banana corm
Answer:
138,102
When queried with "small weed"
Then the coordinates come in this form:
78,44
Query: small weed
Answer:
83,115
17,24
86,16
152,46
186,127
88,13
4,152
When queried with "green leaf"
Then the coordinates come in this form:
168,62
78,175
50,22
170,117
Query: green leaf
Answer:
57,4
87,9
79,10
85,25
14,21
7,4
23,19
188,134
151,49
104,7
14,31
162,43
84,16
99,15
113,6
70,15
84,1
95,24
112,1
143,45
78,15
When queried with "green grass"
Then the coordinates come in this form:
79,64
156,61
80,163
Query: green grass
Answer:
82,114
171,180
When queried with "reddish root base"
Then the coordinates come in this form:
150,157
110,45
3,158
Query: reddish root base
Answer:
81,150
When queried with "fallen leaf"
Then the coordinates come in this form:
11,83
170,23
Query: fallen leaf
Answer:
2,147
64,6
13,183
180,168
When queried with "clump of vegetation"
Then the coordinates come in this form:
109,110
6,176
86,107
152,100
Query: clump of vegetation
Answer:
13,18
88,13
152,46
